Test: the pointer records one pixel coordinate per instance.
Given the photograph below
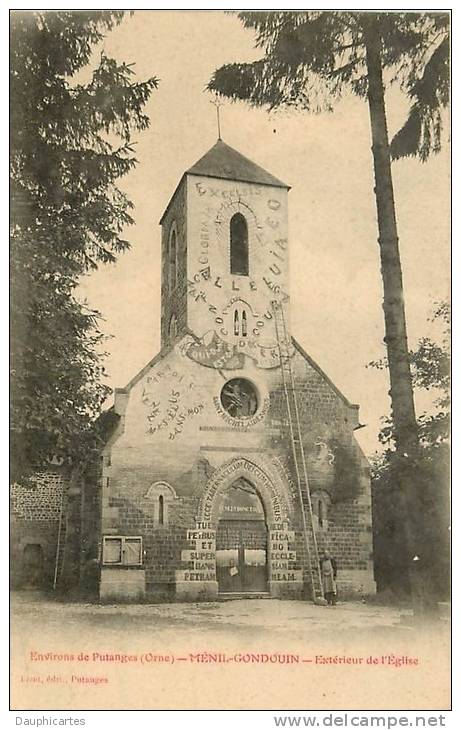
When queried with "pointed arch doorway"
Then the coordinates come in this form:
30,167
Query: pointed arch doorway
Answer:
241,540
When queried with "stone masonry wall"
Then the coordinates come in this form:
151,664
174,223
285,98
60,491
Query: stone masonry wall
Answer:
174,303
162,544
40,502
184,452
338,472
34,521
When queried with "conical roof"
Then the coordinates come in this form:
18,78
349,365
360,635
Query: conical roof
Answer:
224,162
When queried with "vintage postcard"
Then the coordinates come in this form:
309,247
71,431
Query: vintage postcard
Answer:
230,278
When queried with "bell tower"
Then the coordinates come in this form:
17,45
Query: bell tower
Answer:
225,254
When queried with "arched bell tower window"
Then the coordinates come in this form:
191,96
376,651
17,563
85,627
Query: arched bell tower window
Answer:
240,323
173,258
239,245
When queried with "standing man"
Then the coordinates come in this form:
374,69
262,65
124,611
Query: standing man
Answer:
329,570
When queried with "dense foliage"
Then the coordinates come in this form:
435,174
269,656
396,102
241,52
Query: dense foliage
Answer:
71,141
312,58
431,371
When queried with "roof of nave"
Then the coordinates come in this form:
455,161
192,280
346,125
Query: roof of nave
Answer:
322,373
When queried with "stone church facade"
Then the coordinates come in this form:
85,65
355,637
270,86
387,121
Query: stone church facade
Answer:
198,495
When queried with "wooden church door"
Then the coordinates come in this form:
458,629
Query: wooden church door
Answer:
241,541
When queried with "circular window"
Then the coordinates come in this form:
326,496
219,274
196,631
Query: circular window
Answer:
239,398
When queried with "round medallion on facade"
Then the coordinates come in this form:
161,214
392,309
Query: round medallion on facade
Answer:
239,398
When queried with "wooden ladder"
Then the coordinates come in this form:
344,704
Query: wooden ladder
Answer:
298,453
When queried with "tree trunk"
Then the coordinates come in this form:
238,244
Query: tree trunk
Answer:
401,390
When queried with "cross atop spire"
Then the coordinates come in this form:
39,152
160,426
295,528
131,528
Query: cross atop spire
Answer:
217,103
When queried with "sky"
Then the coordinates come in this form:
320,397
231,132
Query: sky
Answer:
336,287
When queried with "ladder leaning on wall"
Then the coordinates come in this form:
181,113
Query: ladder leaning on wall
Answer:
298,453
61,537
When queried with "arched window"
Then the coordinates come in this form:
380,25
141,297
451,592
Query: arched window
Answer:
240,322
236,323
172,258
320,512
159,497
239,245
321,503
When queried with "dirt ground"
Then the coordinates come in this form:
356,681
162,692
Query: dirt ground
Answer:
241,654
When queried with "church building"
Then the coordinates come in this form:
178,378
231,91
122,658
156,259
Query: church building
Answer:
202,493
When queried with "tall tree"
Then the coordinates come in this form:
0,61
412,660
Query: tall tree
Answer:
430,366
309,60
70,144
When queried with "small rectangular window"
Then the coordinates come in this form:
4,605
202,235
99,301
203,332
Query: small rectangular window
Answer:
122,551
132,551
112,553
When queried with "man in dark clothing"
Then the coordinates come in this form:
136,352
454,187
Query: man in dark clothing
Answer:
329,571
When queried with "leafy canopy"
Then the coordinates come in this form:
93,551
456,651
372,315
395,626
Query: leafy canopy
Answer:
311,58
70,144
430,363
430,368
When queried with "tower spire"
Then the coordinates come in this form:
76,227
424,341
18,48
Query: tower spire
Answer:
217,103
